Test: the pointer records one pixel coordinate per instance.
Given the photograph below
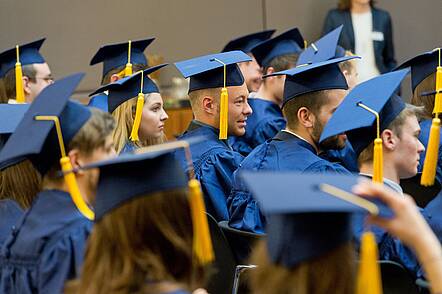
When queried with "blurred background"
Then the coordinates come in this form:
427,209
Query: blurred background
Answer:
184,29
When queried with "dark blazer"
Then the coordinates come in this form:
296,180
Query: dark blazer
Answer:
383,50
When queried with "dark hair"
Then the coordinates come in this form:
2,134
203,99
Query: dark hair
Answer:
346,4
153,236
107,77
9,81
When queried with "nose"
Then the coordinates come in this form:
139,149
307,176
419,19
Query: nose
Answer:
420,147
164,115
247,109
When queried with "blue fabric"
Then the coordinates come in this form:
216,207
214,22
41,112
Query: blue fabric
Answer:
129,147
346,157
178,292
214,162
47,247
285,152
10,213
264,123
99,101
423,137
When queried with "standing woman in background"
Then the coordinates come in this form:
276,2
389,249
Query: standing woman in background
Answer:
367,32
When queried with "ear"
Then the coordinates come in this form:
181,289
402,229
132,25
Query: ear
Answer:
209,105
114,78
76,162
26,86
306,117
270,70
389,140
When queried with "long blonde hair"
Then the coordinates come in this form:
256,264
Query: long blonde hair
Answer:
124,116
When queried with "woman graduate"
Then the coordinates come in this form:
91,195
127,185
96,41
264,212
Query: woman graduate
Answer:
137,106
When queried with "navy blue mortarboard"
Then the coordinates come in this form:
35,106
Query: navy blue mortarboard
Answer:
309,221
303,79
29,54
357,123
289,42
207,71
10,116
129,87
422,66
323,49
116,55
99,101
247,42
37,140
128,176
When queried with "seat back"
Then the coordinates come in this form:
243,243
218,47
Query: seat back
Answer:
396,279
221,279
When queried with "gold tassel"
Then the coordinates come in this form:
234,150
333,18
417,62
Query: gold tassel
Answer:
224,114
66,167
202,243
128,68
378,162
20,93
137,121
430,162
369,274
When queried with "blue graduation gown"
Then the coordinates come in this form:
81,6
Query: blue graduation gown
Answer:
423,137
99,101
264,123
346,157
285,152
214,162
47,247
10,213
129,147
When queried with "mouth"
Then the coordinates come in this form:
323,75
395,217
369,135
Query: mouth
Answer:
241,123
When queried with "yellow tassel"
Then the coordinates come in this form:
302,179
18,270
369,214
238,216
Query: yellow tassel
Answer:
202,243
71,182
137,120
430,162
369,274
20,93
128,68
378,161
438,97
224,114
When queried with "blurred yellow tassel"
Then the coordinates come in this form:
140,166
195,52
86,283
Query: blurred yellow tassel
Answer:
128,68
369,274
137,121
224,114
430,162
20,93
71,182
66,167
378,162
202,243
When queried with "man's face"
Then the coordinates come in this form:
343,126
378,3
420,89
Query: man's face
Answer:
239,110
252,74
333,98
43,78
408,148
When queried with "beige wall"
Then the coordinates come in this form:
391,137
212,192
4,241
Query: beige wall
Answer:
76,28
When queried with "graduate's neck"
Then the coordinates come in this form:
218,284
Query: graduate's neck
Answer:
304,134
360,7
207,120
389,171
265,93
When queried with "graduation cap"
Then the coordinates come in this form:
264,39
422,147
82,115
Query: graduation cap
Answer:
10,116
365,112
50,123
119,54
307,78
323,49
99,101
307,222
16,57
153,169
247,42
129,87
289,42
218,70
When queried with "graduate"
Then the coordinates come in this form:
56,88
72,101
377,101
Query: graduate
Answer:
311,94
146,212
119,60
276,54
218,96
136,104
47,245
25,63
384,134
250,69
309,244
